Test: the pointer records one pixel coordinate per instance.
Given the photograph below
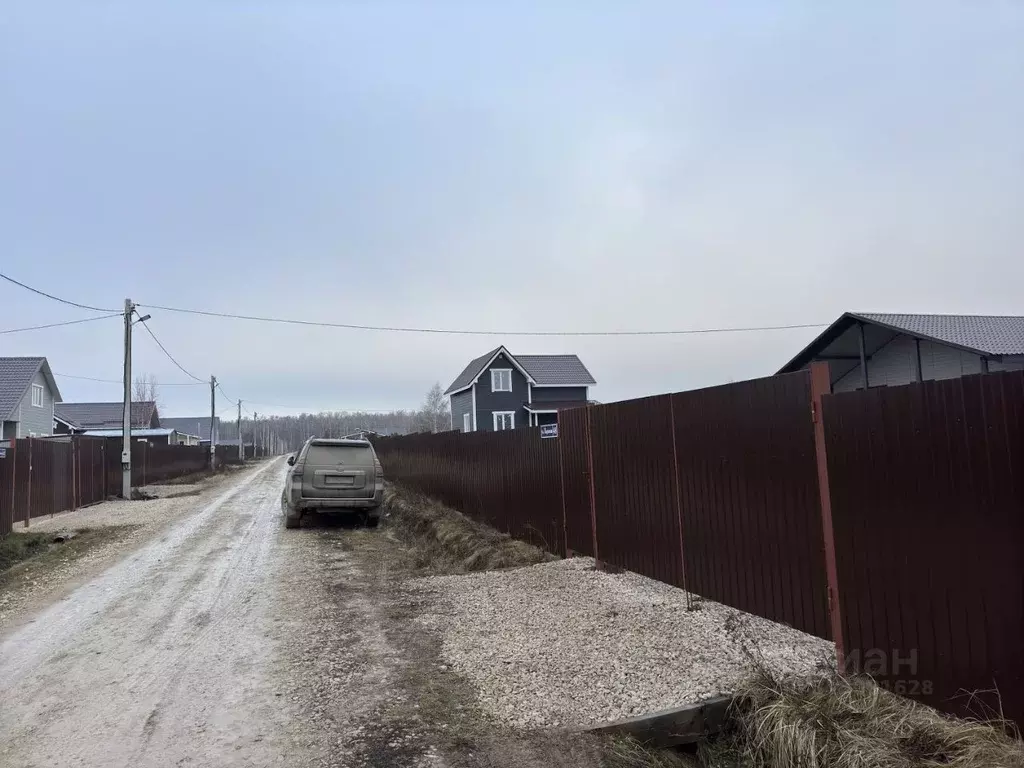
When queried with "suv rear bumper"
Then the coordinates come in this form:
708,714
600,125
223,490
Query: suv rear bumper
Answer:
304,504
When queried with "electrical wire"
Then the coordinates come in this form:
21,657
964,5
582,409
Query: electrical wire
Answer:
169,355
57,325
57,298
466,332
119,382
225,394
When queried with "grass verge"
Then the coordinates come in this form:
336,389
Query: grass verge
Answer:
442,540
24,554
850,722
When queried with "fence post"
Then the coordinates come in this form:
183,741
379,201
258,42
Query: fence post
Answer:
28,505
561,479
679,496
590,485
14,474
821,384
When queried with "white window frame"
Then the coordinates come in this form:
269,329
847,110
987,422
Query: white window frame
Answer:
38,388
496,380
467,422
512,420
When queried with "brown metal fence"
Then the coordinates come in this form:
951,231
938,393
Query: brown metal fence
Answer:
44,476
508,480
723,480
751,516
927,497
905,504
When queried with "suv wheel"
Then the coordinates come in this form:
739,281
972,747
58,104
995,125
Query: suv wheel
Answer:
292,521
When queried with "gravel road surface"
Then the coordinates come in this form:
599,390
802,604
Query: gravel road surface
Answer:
561,644
192,651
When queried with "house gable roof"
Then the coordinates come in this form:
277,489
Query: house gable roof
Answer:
104,415
990,335
16,374
557,370
471,373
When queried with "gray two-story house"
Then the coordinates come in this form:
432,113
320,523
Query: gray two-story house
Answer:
28,392
499,390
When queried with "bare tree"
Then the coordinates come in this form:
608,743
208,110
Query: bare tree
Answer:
144,389
434,416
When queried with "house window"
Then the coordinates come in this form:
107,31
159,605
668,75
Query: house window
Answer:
467,422
37,396
501,380
504,420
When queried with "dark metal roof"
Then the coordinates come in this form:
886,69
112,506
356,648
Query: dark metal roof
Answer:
471,371
992,335
549,370
557,370
562,405
987,334
16,374
104,415
192,425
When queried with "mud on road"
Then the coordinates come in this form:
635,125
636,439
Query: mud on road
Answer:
229,641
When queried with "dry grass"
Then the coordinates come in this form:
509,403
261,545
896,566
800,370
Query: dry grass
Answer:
629,753
831,721
442,540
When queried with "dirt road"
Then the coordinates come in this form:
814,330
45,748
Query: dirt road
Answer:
221,639
187,653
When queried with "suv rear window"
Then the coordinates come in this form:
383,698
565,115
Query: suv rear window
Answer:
339,454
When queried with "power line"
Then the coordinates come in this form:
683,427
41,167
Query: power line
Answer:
119,382
170,356
466,332
57,325
225,394
56,298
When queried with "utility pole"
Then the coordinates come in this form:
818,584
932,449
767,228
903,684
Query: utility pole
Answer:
255,434
126,415
241,445
213,421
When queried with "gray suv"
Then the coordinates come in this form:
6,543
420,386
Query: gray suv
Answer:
333,476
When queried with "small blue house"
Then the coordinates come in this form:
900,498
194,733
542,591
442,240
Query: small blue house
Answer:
499,390
28,392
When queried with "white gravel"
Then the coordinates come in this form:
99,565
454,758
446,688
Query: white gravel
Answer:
563,645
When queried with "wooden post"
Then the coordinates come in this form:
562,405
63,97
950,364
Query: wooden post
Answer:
821,385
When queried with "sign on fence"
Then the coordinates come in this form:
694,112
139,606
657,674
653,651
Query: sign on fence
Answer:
549,430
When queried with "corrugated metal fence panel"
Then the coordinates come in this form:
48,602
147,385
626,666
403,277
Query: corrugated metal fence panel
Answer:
634,487
51,477
165,462
508,480
91,466
572,439
927,488
751,514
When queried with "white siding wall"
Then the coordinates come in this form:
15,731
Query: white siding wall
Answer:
893,365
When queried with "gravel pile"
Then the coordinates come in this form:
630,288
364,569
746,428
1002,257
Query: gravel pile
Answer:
564,645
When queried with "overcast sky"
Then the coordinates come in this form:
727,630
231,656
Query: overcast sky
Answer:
498,166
